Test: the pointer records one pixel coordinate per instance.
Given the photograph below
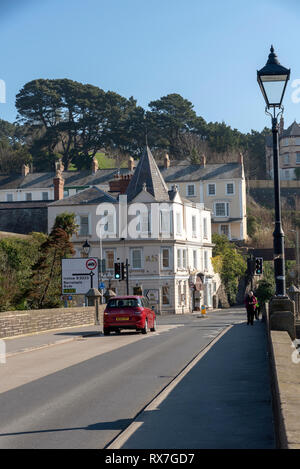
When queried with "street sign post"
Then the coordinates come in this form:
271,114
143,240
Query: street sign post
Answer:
79,275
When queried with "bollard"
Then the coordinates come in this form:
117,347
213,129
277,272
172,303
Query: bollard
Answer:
203,310
93,296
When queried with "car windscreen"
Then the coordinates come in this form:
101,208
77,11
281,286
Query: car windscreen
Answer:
126,303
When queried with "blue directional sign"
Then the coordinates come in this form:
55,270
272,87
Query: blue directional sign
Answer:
101,286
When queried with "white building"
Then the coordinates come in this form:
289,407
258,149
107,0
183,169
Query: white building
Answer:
165,237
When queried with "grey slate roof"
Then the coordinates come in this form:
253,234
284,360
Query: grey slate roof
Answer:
292,131
147,172
90,196
197,172
72,179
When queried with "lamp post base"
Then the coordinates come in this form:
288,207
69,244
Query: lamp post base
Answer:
282,315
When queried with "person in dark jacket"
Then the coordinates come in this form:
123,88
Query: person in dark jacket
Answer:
250,303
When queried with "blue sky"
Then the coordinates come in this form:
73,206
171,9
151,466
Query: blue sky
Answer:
207,51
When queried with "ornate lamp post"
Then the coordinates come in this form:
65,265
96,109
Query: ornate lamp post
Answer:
86,248
272,79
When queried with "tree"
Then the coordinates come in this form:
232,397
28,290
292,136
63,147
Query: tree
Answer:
169,118
73,119
229,263
17,255
46,277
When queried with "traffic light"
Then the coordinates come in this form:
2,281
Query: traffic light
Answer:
123,271
117,271
258,266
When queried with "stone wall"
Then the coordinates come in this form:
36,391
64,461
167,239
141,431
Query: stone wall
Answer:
285,386
22,218
15,323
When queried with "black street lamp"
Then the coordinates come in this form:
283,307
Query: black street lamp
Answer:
86,248
272,79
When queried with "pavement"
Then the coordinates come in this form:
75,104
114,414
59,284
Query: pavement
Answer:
222,402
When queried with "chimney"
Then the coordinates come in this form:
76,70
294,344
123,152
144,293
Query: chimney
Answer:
131,163
120,183
95,166
58,183
25,170
281,125
203,160
166,161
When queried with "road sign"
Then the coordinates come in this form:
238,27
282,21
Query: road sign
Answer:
101,286
91,264
79,275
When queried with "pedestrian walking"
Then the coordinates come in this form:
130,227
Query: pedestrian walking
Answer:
250,304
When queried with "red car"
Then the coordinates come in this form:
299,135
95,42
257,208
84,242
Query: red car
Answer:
129,312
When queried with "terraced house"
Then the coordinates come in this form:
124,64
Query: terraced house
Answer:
220,187
165,236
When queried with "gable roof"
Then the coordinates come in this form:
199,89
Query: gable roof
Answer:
90,196
197,172
292,131
147,176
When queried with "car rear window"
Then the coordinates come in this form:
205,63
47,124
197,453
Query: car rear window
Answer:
126,303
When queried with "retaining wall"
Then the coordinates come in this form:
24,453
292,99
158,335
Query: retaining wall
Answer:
15,323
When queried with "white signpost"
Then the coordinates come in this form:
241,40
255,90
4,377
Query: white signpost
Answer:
79,275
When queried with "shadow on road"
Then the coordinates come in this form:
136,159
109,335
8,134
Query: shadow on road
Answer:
115,425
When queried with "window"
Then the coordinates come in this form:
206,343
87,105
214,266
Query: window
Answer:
84,225
136,258
222,209
179,258
28,196
224,230
297,141
286,174
297,158
125,303
109,259
285,142
194,226
45,196
286,158
178,223
205,228
9,197
66,193
190,190
205,260
165,295
165,254
230,188
211,189
195,259
165,221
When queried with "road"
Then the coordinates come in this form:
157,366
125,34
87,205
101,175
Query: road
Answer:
83,393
